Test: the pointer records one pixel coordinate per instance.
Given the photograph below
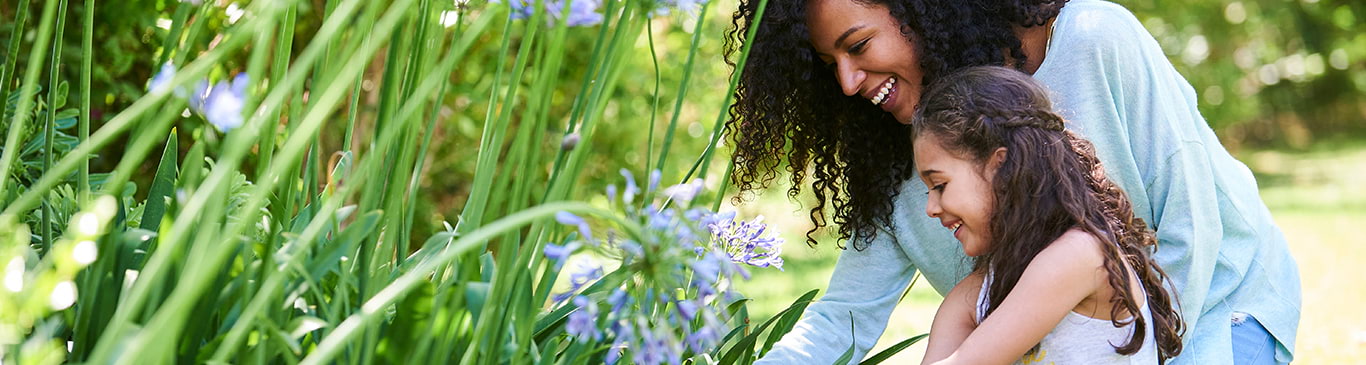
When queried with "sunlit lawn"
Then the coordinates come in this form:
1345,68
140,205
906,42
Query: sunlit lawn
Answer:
1317,197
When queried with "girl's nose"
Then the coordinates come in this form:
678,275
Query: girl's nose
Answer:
850,76
932,208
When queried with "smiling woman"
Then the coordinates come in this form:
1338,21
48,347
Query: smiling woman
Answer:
868,56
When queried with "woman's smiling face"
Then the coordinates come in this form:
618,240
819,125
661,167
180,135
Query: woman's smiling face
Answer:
960,191
865,48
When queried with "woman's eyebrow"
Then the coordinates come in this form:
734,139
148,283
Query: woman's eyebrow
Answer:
839,42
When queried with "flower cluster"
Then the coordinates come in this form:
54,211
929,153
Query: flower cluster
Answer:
678,268
581,12
220,105
586,13
745,242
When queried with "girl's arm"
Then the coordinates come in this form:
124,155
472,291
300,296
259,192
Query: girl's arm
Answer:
1054,283
955,319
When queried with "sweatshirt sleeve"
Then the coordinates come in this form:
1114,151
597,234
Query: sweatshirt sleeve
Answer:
864,289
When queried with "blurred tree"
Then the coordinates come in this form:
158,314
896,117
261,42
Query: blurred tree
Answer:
1280,73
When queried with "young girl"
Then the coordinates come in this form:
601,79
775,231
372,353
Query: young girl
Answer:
1062,272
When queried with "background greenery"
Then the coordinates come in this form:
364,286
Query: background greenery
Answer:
1282,82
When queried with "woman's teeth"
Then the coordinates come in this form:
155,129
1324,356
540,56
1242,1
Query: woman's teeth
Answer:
886,89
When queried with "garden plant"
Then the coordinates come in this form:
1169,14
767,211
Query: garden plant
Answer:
277,219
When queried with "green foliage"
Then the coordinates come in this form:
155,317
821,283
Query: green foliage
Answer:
291,235
1284,73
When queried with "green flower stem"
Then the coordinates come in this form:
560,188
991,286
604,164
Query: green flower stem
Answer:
683,88
26,90
654,99
700,167
7,72
83,124
602,83
54,77
576,109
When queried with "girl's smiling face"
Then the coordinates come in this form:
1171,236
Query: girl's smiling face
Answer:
865,48
960,191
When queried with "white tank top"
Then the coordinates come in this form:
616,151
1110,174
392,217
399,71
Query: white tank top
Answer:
1079,339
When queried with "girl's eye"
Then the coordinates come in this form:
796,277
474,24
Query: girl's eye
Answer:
939,187
858,47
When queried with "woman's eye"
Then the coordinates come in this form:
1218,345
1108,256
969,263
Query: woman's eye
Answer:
858,47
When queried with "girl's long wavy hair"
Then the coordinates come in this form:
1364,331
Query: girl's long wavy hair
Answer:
1049,183
788,104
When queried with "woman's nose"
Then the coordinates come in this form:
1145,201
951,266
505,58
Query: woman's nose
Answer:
850,76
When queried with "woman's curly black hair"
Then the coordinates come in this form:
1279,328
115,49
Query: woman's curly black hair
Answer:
788,103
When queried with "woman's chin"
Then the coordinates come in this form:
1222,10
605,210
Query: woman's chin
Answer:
904,115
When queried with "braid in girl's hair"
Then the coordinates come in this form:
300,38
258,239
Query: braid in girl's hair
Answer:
1049,183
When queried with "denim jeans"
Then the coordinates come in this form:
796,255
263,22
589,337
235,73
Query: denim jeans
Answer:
1252,344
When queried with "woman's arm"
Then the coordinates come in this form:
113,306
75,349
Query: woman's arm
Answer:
864,288
955,319
1054,283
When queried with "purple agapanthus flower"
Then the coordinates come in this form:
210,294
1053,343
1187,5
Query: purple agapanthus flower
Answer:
628,195
522,9
683,6
655,347
653,181
222,104
618,299
581,12
569,219
747,242
578,280
560,253
684,192
706,335
163,78
582,323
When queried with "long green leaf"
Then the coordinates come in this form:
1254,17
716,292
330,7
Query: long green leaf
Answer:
886,354
746,344
163,185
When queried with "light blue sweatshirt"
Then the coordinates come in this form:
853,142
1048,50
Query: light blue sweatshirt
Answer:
1108,77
